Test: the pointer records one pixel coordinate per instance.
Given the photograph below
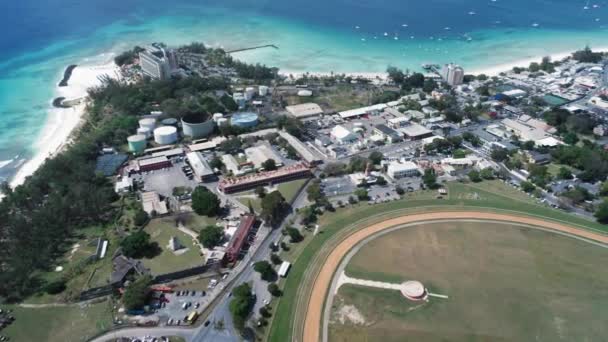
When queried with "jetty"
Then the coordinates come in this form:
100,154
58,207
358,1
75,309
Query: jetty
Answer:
254,48
66,75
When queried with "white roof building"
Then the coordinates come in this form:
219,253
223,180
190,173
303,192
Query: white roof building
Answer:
343,135
200,166
397,170
361,111
304,110
151,203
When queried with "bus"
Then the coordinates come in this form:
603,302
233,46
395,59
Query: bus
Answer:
192,317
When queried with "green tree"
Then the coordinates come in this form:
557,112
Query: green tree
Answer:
260,191
601,213
570,138
430,178
211,236
361,194
564,173
499,154
487,173
216,163
274,290
294,235
399,190
136,245
241,305
136,293
269,165
474,176
140,218
376,157
274,208
381,181
205,202
275,259
265,270
55,287
527,186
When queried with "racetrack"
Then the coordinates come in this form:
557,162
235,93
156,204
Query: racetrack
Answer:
314,311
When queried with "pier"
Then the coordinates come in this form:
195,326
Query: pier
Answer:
254,48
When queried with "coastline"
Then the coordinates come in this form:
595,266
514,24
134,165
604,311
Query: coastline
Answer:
61,122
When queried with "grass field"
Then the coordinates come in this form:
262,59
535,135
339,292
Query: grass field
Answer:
505,282
335,226
58,324
161,231
289,190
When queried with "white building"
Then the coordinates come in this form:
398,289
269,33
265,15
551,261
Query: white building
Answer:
304,110
200,166
343,135
452,74
397,170
156,67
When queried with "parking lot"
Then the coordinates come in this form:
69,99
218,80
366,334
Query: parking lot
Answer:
163,181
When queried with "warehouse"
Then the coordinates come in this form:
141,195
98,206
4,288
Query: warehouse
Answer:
387,133
310,158
304,110
415,131
201,168
343,135
153,163
397,170
152,204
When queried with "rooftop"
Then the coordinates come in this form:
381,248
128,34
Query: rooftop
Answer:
304,110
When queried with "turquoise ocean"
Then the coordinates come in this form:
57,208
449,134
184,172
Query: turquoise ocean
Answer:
41,38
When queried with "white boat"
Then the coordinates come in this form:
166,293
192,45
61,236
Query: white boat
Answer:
535,25
472,13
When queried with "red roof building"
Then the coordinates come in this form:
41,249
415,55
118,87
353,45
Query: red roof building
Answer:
239,238
285,174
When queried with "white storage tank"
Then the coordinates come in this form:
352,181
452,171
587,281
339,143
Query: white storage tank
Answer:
263,90
165,135
222,121
145,132
305,93
148,123
217,116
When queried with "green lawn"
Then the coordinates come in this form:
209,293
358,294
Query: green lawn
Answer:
289,190
338,224
58,324
197,222
161,231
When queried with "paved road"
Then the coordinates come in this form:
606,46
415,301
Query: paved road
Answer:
221,311
140,332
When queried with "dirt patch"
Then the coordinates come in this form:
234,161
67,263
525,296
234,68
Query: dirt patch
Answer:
349,314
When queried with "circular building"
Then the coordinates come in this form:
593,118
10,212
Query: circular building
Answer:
169,122
413,290
244,120
137,143
148,123
197,125
165,135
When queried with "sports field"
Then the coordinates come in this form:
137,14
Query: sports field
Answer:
504,282
314,253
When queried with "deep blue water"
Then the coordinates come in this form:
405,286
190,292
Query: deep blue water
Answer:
41,37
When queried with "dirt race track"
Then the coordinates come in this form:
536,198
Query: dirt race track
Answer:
322,283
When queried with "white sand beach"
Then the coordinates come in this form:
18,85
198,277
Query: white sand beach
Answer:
62,121
505,67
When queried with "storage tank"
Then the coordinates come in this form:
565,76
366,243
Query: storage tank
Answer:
137,143
197,125
169,122
148,123
239,98
249,93
305,93
165,135
263,90
244,120
145,132
217,116
222,121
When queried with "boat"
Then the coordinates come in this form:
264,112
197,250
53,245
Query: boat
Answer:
535,25
472,13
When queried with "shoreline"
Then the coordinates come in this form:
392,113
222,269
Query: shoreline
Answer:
61,122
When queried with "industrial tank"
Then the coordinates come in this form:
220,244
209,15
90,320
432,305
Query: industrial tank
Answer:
197,125
147,123
217,116
165,135
244,120
222,121
145,132
304,93
249,93
137,143
263,90
169,122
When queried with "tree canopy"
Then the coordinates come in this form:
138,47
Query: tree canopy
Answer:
211,236
274,208
241,305
205,202
136,293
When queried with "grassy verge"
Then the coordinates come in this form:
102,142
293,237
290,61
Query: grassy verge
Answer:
59,324
335,226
